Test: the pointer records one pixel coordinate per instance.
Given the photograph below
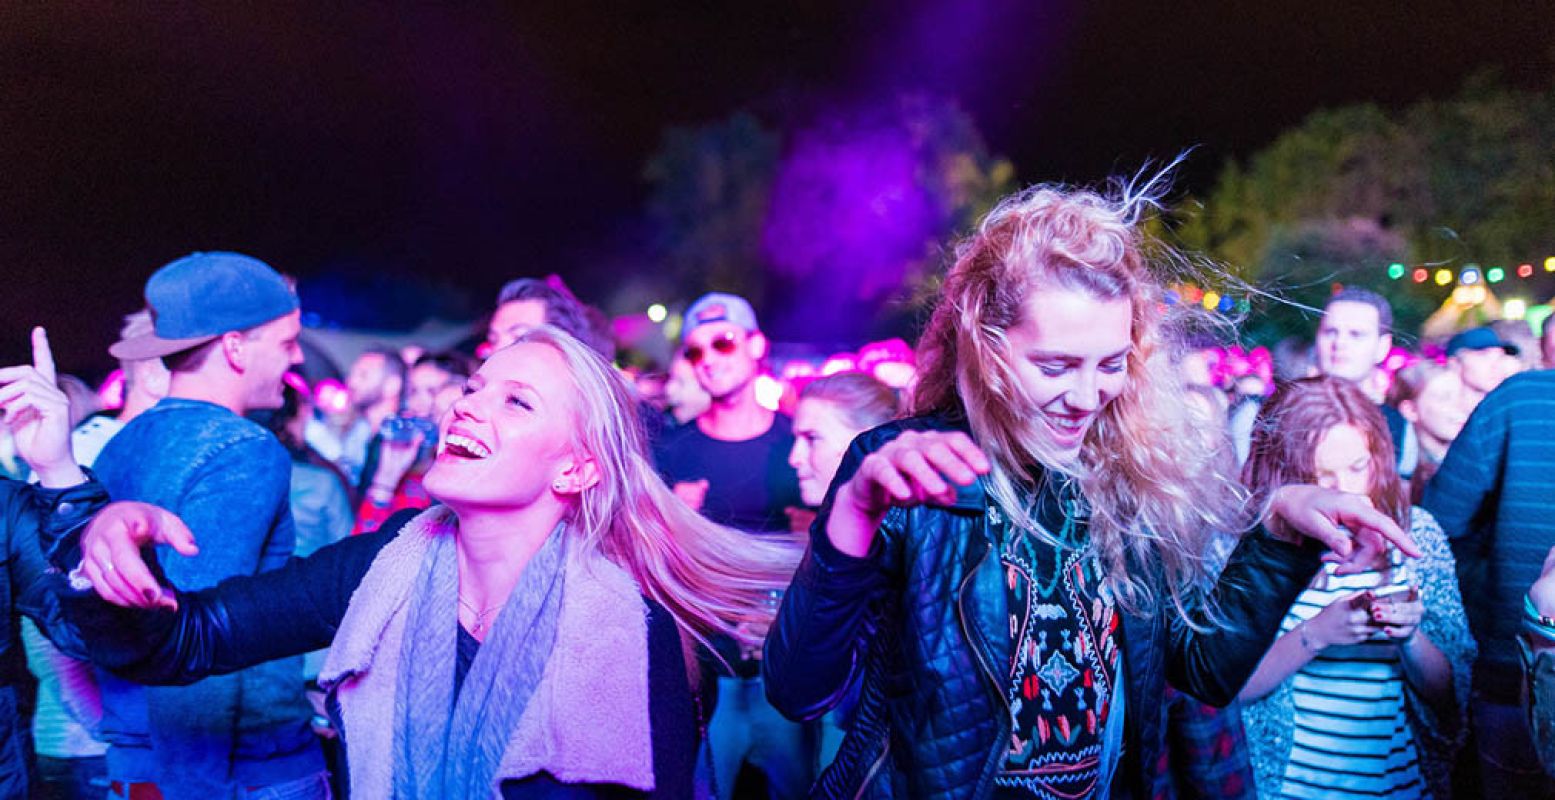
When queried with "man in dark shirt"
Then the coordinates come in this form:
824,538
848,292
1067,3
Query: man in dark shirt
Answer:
731,464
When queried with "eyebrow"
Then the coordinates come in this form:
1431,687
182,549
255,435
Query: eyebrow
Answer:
1056,356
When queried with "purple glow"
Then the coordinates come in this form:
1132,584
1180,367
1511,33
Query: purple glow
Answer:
847,205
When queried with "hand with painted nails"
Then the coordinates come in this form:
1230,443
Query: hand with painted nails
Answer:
111,553
1346,523
38,416
1398,615
916,468
1345,621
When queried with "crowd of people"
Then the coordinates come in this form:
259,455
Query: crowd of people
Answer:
1081,553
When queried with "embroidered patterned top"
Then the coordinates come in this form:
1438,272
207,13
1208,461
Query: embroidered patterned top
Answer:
1065,662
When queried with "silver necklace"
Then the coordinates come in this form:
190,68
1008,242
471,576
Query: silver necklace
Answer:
480,615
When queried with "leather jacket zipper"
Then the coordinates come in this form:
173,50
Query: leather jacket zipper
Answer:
991,768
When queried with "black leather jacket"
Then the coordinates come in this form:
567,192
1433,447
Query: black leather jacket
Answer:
26,587
922,622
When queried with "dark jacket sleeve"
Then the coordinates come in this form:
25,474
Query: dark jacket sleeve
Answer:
240,622
815,649
30,510
1261,581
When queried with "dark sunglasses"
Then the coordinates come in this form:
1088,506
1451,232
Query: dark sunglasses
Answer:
724,345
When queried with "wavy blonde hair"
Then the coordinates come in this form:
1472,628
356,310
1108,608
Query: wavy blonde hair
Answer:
1155,492
713,580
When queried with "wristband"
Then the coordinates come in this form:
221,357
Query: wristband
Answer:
1535,622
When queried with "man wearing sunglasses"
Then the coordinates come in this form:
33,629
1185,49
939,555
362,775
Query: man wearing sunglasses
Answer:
731,463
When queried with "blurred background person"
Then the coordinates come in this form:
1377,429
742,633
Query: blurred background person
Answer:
1482,360
684,398
1547,343
320,499
1430,396
145,382
401,454
374,384
525,303
1363,695
831,411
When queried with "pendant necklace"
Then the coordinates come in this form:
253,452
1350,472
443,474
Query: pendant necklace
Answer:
480,616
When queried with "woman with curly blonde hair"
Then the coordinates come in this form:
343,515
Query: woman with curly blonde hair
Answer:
529,636
1015,573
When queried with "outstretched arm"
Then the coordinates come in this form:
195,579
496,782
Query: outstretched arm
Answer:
138,627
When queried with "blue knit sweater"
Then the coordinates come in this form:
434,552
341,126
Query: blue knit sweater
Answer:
1495,498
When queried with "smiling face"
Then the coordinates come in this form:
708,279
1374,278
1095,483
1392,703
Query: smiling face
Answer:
821,436
1439,412
268,352
725,357
1070,351
509,439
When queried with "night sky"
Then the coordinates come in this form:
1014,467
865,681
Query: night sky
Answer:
476,143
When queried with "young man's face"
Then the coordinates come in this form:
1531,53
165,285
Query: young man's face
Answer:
725,356
512,320
1482,370
1350,341
268,352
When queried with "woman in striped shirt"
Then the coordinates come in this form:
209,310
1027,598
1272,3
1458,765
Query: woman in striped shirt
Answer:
1362,694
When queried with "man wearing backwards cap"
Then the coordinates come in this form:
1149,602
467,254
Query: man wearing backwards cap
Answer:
731,463
226,325
1482,359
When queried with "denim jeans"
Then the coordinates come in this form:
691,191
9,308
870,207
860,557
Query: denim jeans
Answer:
746,728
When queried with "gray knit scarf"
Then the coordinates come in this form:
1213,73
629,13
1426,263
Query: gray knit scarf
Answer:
447,747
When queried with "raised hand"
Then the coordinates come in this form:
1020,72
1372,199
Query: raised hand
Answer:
37,414
111,553
915,468
1346,523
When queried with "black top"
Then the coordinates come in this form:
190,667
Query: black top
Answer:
251,619
749,482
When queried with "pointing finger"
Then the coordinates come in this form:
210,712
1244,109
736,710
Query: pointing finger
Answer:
42,355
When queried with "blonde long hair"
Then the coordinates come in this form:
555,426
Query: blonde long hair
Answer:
713,580
1155,492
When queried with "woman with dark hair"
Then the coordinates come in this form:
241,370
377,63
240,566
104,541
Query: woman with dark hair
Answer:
1013,575
1362,695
